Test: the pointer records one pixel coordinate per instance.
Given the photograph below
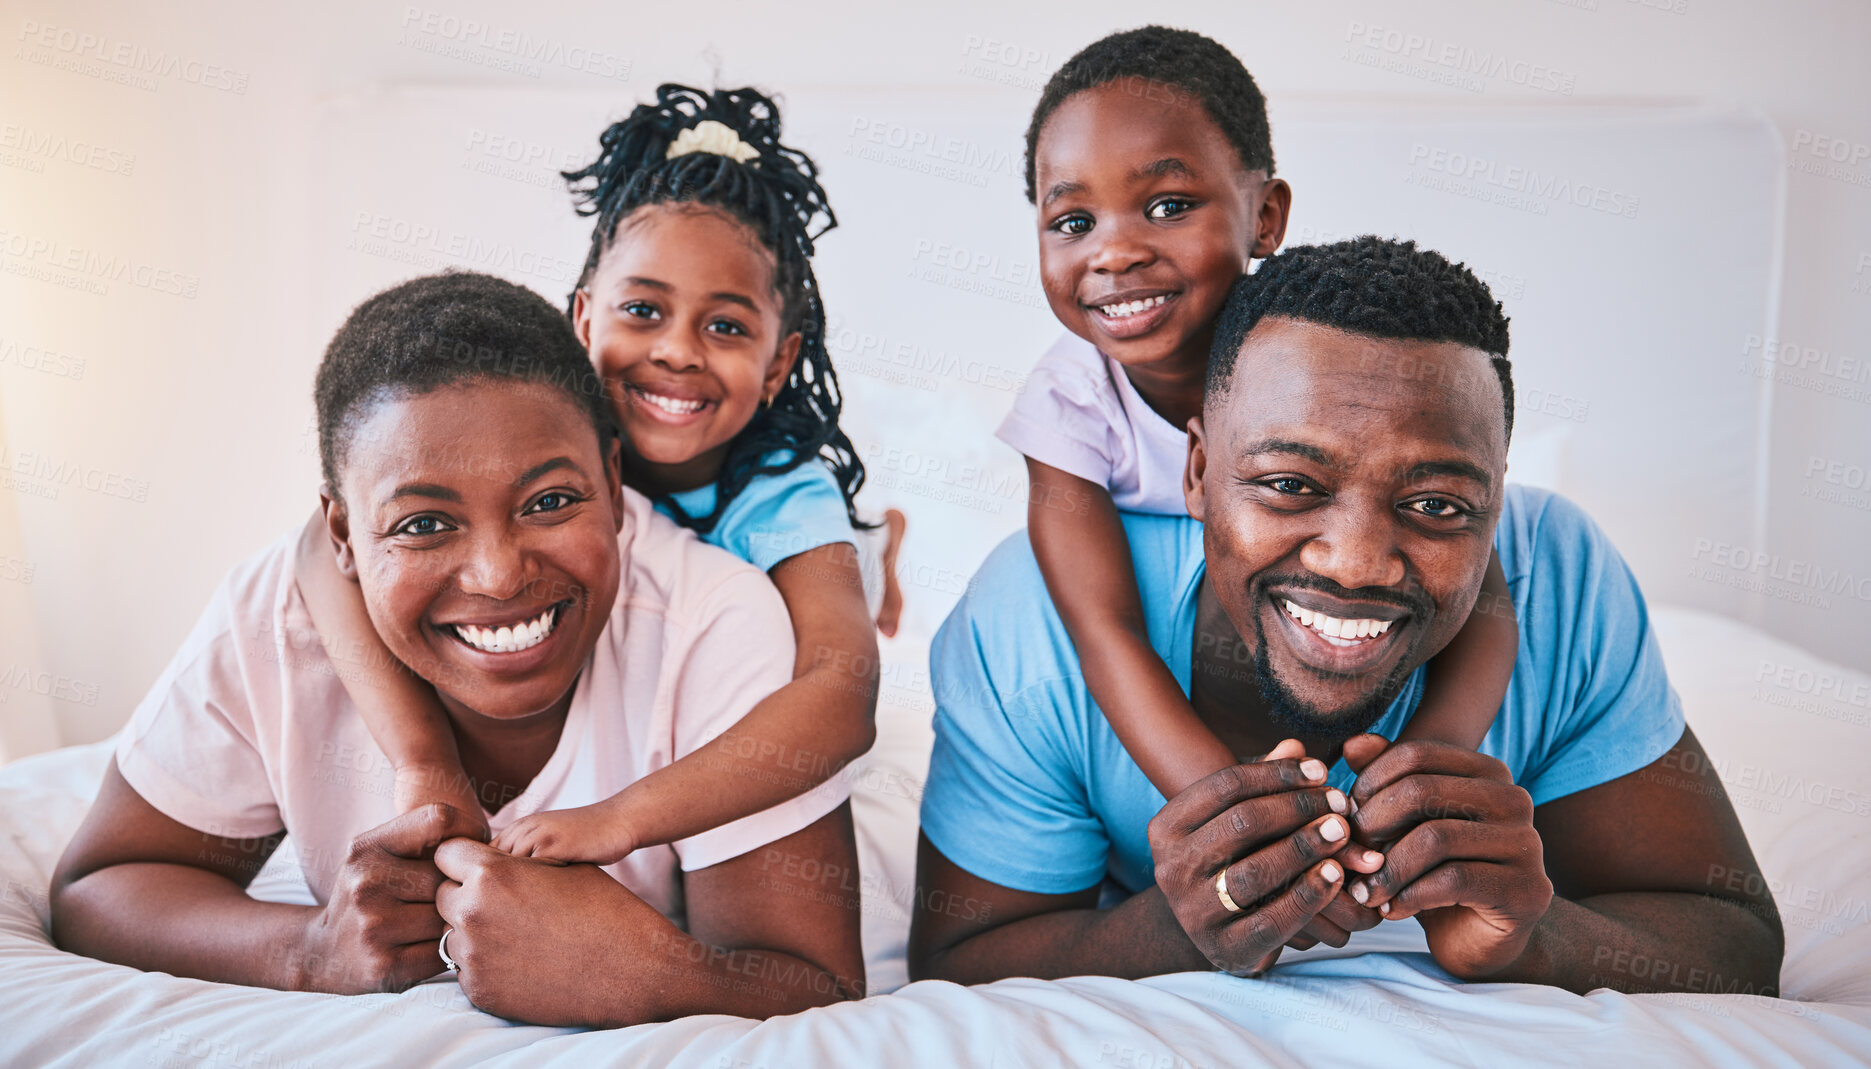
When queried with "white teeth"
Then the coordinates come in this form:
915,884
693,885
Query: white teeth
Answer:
1126,309
1338,632
673,405
510,639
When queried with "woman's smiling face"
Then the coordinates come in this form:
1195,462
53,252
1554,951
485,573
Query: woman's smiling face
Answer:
683,323
480,520
1146,218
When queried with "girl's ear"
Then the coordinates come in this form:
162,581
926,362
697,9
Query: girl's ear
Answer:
1276,201
781,367
1193,470
581,315
338,529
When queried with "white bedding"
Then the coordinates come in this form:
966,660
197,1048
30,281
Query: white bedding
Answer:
1787,741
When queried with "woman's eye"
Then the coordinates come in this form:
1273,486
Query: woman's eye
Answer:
638,309
553,501
1439,507
1072,225
420,526
1170,207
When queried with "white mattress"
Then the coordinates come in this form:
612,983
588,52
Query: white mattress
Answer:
1787,740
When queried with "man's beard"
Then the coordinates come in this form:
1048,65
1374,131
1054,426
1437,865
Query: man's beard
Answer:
1305,719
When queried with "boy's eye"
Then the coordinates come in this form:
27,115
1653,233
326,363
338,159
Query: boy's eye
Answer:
638,309
419,526
1170,207
1072,225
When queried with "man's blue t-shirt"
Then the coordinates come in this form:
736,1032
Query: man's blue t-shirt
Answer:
774,516
1029,787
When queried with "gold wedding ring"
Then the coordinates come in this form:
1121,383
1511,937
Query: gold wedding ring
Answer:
1221,892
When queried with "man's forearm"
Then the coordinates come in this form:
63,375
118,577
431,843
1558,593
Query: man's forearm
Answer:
1655,941
1137,938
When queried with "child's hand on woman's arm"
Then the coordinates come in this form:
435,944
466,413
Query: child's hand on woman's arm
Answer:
401,710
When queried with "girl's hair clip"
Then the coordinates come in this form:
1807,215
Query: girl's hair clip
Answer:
715,138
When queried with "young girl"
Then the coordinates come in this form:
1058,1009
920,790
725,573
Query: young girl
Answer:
1150,162
699,308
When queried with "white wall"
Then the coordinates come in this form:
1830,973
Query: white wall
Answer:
230,180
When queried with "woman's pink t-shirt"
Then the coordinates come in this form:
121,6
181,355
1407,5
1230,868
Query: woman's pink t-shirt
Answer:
250,730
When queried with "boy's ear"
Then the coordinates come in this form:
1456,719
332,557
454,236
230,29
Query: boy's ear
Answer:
1276,201
782,366
338,529
614,480
581,316
1192,471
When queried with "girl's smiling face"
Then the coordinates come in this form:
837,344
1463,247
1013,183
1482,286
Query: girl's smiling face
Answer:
1146,218
684,325
480,521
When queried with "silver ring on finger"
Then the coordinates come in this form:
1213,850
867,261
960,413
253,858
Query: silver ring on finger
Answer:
442,948
1221,892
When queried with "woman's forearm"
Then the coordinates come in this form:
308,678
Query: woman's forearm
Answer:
746,982
1655,941
186,921
1137,938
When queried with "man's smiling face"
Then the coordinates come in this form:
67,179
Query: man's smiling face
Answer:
1349,488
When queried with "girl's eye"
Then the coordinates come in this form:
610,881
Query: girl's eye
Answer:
638,309
728,327
1438,507
553,501
1072,225
420,526
1170,207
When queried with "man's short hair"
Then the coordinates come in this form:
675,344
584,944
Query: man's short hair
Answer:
1377,287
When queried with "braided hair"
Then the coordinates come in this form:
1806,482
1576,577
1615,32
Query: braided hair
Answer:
1377,287
775,194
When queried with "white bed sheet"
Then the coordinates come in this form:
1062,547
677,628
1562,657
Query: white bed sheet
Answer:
1786,739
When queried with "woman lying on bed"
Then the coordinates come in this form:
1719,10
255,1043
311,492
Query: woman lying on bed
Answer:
472,472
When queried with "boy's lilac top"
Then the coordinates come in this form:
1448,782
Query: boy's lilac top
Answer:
1079,413
249,730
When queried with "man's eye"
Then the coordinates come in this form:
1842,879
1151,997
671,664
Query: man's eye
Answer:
1439,507
1072,225
419,526
1170,207
638,309
1287,486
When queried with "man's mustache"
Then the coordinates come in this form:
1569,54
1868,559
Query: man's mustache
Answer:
1416,602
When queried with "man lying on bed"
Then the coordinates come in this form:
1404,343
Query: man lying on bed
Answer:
475,469
1349,461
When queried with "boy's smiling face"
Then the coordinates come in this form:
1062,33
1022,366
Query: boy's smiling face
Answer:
1146,217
